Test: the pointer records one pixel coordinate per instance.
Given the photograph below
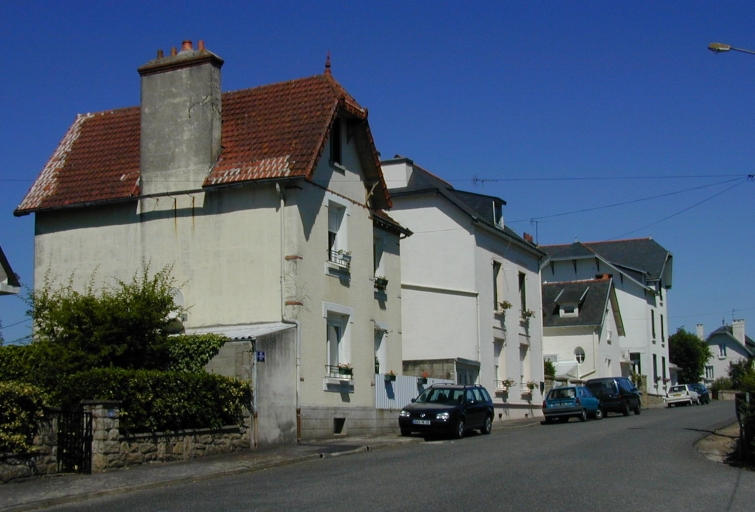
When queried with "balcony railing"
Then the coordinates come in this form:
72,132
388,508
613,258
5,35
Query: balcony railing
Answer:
339,372
341,258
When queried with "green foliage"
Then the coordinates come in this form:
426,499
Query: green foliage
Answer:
191,352
748,383
689,353
155,401
739,371
125,326
549,369
21,409
721,383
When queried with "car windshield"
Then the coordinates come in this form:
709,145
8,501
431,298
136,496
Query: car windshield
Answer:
559,393
441,396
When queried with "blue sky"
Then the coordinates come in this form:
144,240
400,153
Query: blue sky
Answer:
553,106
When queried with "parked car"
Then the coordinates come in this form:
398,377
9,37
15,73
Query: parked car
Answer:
682,394
563,402
616,394
449,409
702,392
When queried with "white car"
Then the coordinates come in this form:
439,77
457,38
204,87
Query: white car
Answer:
682,394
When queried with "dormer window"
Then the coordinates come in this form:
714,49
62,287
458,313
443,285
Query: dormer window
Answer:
335,143
568,310
498,214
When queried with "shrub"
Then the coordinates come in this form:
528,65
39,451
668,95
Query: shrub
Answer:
721,383
21,409
549,369
155,401
190,353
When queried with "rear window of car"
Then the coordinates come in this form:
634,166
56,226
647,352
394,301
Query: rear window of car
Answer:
561,393
676,389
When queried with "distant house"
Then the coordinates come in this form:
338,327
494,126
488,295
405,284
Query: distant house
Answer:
582,328
470,289
728,344
268,203
9,283
641,272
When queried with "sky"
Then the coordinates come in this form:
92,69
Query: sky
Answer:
592,120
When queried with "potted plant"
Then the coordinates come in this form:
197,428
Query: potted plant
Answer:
527,314
345,369
531,385
390,376
506,384
344,254
381,282
423,379
504,305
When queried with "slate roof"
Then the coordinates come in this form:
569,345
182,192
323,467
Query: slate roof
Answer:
642,258
9,283
478,206
270,132
591,297
727,331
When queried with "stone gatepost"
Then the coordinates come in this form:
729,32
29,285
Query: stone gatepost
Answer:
106,452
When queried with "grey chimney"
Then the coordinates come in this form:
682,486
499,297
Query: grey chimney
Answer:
700,331
738,330
180,119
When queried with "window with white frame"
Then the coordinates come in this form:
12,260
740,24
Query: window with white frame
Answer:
497,278
500,362
381,351
523,291
721,350
377,256
524,363
336,346
709,372
579,355
498,213
335,143
337,243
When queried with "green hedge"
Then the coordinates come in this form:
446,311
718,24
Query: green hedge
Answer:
21,409
155,401
191,352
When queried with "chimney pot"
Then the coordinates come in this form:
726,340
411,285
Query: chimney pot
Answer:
173,51
186,46
160,54
528,237
200,45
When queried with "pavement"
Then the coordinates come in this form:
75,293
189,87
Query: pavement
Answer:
45,491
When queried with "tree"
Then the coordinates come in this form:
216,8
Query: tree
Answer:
689,353
124,326
739,372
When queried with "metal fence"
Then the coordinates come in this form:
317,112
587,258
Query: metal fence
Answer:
395,394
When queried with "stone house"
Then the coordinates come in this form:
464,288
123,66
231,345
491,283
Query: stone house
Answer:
641,271
727,344
470,289
269,205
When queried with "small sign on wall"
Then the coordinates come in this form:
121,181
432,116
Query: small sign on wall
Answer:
260,356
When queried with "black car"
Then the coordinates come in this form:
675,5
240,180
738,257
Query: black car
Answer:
616,394
449,409
702,392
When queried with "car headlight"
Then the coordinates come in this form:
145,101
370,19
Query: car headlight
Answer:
442,416
404,413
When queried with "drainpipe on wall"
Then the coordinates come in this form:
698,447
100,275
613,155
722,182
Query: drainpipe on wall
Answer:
281,209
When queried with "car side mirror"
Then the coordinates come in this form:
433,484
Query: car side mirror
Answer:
414,400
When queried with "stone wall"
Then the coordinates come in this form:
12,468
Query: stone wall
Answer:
112,450
43,459
329,422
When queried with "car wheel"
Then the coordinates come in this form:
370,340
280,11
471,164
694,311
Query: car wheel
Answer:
583,415
625,409
548,420
604,411
598,413
406,432
487,426
637,408
459,433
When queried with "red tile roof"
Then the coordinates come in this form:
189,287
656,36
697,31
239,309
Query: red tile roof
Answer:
272,131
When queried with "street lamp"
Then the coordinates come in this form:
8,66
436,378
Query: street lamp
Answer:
723,47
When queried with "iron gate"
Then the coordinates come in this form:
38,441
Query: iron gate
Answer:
75,442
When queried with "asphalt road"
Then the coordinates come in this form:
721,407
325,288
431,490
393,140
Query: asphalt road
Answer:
634,463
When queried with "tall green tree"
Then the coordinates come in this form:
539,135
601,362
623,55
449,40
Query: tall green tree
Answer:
689,353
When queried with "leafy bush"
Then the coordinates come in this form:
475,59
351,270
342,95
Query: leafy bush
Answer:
549,369
125,325
738,371
21,409
722,383
190,353
155,401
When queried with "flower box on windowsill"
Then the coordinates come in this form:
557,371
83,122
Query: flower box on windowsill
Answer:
389,377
